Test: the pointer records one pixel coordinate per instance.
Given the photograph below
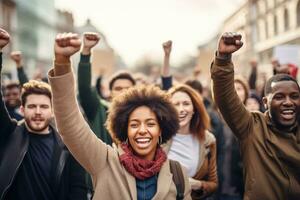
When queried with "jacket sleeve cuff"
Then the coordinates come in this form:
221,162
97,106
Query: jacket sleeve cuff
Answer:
85,58
222,60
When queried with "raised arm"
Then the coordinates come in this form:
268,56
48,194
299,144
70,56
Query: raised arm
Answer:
7,125
225,96
166,77
89,99
90,152
18,58
253,75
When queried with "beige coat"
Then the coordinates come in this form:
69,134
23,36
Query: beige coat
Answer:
207,167
271,158
110,179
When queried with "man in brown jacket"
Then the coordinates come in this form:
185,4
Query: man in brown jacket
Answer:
269,142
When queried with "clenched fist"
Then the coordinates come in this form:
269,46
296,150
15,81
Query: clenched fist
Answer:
167,46
229,43
4,38
17,57
90,40
66,44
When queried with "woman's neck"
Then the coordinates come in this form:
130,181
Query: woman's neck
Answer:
185,130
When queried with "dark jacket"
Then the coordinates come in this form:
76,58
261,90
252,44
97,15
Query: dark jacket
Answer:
69,178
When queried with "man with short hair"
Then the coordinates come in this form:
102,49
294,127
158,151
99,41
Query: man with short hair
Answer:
34,163
270,142
94,107
12,100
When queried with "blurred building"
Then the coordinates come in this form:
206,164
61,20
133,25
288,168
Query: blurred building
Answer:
264,25
105,61
65,21
33,26
8,19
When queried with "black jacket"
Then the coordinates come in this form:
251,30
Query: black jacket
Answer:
70,180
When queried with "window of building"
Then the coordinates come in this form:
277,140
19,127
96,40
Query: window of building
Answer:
298,13
275,25
266,28
286,20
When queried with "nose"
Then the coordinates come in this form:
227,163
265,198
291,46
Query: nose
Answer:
38,110
143,129
180,107
288,101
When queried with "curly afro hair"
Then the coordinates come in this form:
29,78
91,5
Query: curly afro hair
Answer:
154,98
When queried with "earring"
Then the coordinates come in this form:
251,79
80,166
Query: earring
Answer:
126,141
160,140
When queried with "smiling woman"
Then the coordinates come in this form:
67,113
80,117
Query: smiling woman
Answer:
135,168
193,145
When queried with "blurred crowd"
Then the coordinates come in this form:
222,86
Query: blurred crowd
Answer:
183,121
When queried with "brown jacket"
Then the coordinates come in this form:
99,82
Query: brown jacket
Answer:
207,167
110,179
271,158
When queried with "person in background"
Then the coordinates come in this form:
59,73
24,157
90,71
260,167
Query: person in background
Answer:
193,145
94,107
253,102
166,77
17,57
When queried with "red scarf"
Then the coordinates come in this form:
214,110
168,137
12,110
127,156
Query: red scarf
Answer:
141,168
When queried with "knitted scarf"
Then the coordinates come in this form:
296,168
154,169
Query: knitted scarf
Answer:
141,168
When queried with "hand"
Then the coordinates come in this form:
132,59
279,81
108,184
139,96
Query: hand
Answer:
167,46
195,184
16,56
66,44
90,40
4,38
229,43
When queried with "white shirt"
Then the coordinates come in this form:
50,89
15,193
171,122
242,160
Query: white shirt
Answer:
185,150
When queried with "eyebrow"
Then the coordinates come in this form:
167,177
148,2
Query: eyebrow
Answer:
146,119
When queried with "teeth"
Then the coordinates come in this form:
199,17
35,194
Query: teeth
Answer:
143,140
288,112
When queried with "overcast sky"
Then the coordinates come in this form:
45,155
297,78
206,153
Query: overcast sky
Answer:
135,28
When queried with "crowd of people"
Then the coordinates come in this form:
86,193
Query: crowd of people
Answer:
63,139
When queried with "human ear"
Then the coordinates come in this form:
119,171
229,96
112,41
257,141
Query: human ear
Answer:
22,110
265,102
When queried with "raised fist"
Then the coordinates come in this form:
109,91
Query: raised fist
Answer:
167,46
229,43
4,38
16,56
66,44
90,39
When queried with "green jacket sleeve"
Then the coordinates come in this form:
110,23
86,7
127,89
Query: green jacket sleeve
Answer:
238,118
22,76
89,99
91,103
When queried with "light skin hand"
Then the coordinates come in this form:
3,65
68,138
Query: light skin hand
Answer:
229,43
17,57
195,184
4,38
66,45
90,39
167,46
